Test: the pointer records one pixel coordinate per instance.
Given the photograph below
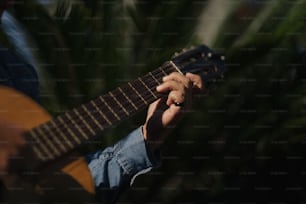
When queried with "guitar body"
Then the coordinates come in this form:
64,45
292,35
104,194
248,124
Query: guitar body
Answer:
71,182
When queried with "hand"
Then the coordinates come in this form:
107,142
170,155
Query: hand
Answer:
165,113
11,141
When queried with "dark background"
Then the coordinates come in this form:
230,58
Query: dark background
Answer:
243,142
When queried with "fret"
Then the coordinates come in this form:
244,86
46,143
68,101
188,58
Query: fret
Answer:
31,141
42,145
38,153
43,135
69,130
109,108
152,82
112,95
175,66
163,71
154,78
92,118
76,125
127,98
105,118
61,134
145,93
137,93
147,88
57,140
171,67
83,121
135,97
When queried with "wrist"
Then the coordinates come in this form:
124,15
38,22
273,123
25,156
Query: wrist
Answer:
153,142
155,137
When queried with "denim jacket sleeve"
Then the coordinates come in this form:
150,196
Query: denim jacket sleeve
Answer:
115,168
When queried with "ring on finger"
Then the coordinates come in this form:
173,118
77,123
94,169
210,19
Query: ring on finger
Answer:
179,104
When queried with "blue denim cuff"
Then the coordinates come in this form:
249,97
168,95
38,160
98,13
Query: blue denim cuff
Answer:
122,162
135,156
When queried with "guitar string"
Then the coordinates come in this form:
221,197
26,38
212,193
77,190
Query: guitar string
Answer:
150,97
78,119
50,134
125,102
116,94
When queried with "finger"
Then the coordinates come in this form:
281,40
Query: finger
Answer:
176,97
196,80
170,86
175,76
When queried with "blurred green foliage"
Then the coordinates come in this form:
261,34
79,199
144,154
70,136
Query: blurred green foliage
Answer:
242,142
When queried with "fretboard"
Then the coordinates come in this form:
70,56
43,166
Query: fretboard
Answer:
55,138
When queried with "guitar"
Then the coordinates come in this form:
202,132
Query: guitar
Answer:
49,140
